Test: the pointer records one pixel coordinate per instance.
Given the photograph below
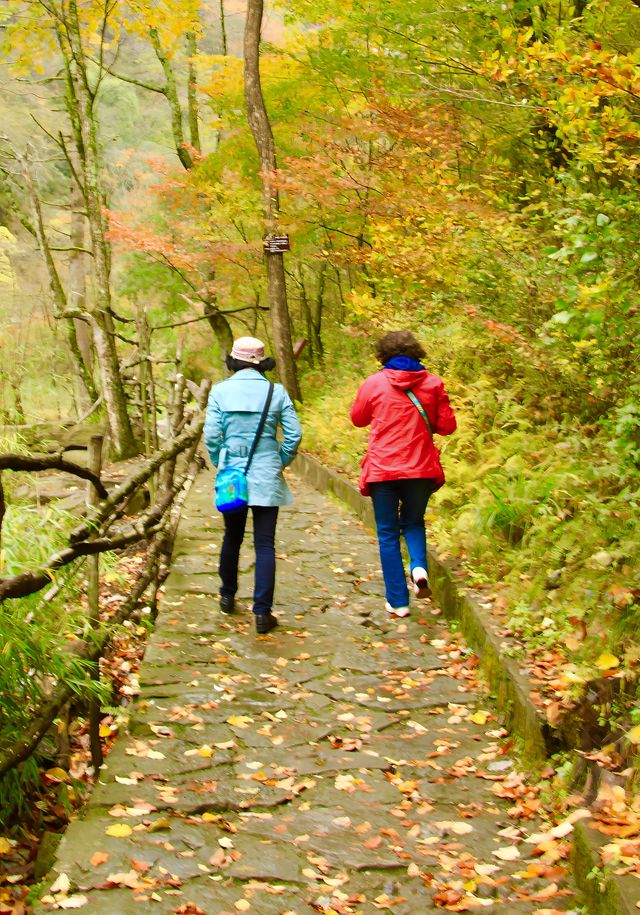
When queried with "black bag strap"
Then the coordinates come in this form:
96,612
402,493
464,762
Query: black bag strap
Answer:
412,397
263,420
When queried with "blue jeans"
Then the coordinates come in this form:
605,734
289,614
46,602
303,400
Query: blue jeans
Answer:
399,507
265,518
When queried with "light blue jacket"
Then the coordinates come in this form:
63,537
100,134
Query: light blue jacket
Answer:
233,414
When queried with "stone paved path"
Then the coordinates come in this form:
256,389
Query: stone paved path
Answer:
333,765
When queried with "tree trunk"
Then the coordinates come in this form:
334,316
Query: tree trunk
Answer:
80,334
223,29
306,311
221,328
60,298
122,438
263,137
192,97
171,92
317,317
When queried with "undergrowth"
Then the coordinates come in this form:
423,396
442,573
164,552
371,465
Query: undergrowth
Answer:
34,630
540,507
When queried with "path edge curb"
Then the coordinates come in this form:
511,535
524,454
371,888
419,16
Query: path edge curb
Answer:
606,895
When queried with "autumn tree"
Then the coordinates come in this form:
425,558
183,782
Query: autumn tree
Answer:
263,136
69,29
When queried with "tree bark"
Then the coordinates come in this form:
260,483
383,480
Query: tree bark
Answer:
77,296
122,438
32,462
221,328
223,29
192,96
171,92
263,137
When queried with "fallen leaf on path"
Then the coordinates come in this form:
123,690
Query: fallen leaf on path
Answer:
119,830
457,828
546,893
98,858
239,721
480,717
373,842
130,879
508,853
61,885
76,901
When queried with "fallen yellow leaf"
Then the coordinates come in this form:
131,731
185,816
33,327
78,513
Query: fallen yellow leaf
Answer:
57,774
634,737
119,830
239,721
480,717
607,661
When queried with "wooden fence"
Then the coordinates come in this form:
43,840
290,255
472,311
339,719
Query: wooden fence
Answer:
108,525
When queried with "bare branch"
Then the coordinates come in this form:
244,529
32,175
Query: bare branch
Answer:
31,462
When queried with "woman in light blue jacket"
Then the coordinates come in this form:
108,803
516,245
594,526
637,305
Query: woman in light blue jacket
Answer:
233,414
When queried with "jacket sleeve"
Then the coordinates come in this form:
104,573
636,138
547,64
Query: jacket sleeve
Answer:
446,419
291,429
361,413
213,429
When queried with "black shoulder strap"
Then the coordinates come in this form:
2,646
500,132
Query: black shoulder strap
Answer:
263,420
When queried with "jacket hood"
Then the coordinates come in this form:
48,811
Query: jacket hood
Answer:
405,380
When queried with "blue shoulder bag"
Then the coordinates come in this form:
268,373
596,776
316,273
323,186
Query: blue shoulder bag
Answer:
231,488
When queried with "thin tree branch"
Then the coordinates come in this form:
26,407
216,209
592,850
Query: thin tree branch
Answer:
31,462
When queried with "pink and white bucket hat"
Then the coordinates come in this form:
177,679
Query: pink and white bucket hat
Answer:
248,349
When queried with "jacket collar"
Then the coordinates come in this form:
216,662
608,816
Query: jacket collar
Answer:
247,374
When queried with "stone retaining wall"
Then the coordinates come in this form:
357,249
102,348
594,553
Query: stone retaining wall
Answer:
606,894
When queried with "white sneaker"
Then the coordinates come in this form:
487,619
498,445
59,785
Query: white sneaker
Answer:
420,582
396,611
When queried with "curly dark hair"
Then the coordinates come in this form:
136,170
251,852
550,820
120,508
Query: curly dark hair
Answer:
399,343
234,365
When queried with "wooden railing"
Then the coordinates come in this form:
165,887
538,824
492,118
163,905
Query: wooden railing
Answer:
168,475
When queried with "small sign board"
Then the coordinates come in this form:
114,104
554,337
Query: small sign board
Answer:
276,244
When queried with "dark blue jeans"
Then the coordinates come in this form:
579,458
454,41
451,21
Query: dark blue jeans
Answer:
399,507
265,518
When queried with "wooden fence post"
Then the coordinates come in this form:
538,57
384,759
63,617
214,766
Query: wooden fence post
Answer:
93,600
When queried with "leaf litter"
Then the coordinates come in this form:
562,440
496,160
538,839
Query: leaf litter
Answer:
332,779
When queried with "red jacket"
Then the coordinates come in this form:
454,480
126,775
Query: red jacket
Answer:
400,446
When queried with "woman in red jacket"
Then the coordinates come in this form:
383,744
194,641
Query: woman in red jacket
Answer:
405,405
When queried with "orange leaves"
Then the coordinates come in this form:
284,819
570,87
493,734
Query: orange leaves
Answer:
373,842
144,241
